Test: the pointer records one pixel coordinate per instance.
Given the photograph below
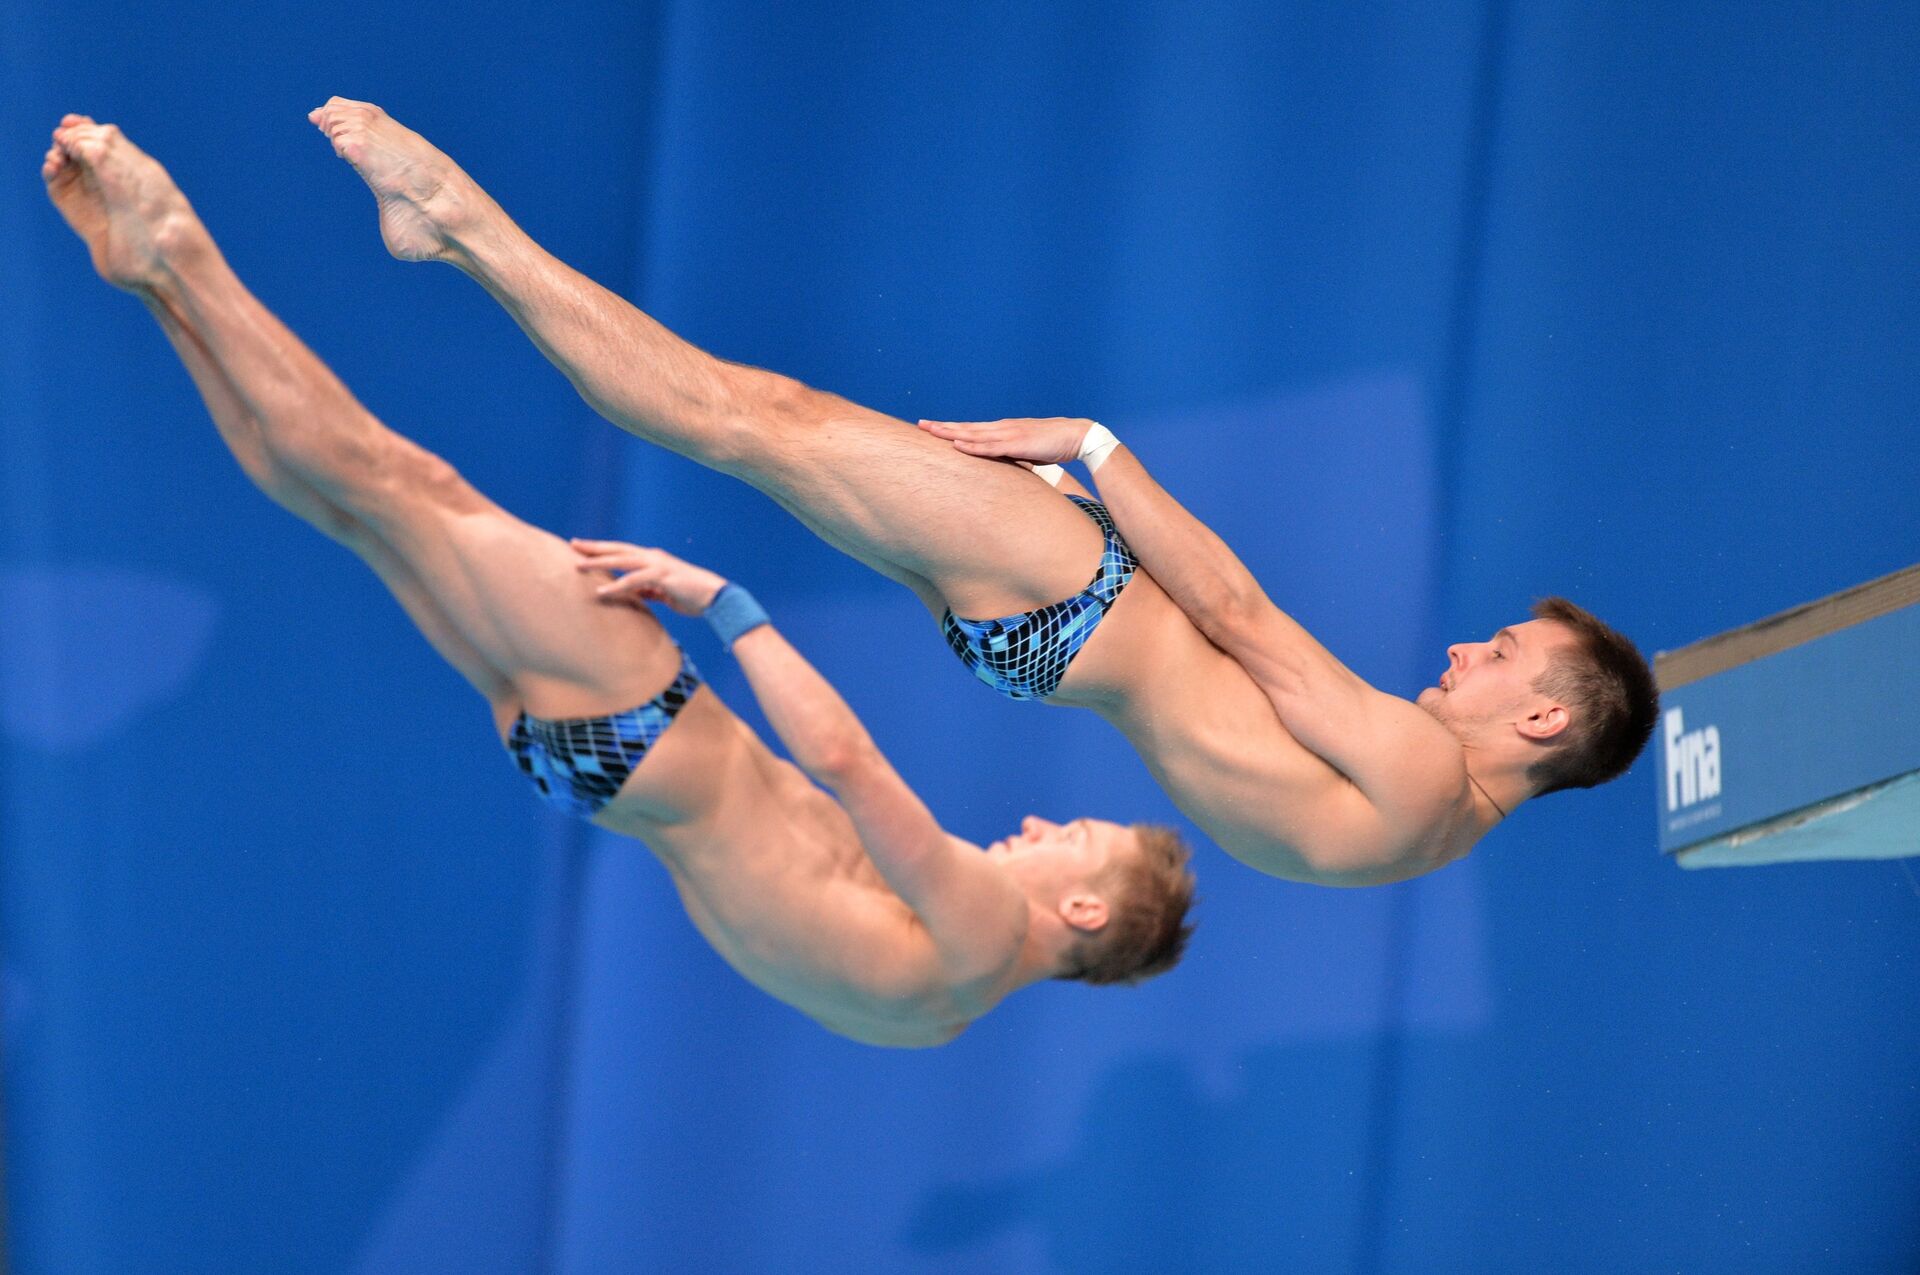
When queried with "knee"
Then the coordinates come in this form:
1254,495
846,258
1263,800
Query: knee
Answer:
340,526
307,504
766,410
429,474
416,474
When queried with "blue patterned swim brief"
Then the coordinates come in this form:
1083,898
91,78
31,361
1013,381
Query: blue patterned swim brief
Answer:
1025,656
579,763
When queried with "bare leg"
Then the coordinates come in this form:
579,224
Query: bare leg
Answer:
986,538
242,436
501,600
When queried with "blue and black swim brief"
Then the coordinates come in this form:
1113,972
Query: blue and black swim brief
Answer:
579,763
1025,656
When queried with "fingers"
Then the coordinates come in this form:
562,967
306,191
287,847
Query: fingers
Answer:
611,555
993,450
641,570
956,429
1051,440
976,440
618,563
582,545
647,582
969,436
643,573
1006,425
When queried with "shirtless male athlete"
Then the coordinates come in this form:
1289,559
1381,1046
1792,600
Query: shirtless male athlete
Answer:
1286,758
861,913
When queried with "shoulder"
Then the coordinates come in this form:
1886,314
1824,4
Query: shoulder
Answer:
916,979
1427,758
1415,774
962,920
981,935
1395,814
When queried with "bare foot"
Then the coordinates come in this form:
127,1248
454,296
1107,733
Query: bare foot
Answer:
427,202
117,199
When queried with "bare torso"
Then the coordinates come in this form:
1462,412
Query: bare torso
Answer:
772,874
1212,739
982,537
987,538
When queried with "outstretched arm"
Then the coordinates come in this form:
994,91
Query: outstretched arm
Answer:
1382,743
974,913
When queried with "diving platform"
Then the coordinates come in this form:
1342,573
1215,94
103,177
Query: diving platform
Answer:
1796,737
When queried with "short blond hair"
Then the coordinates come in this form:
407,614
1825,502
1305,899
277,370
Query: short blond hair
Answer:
1148,894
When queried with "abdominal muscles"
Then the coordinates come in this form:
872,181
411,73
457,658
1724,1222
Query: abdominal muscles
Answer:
1206,731
772,875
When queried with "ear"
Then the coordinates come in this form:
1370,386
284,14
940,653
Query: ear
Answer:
1544,723
1084,912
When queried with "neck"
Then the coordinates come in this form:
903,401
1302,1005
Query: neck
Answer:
1499,809
1500,782
1043,953
1497,772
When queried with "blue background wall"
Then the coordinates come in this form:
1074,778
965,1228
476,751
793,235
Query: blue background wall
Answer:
1430,309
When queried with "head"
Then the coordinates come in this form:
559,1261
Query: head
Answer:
1123,892
1563,697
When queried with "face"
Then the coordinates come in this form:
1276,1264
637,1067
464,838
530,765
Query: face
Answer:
1059,858
1491,683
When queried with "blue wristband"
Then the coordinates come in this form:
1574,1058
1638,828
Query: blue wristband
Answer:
732,612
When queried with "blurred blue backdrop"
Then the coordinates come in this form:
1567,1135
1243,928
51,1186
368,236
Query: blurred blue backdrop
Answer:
1430,309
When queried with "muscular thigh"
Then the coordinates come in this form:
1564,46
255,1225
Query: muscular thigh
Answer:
988,538
489,588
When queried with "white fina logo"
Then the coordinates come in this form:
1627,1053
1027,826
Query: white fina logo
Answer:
1693,762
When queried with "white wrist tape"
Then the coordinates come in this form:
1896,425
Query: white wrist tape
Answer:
1052,473
1097,446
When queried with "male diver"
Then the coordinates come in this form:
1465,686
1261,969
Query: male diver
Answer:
1291,762
856,909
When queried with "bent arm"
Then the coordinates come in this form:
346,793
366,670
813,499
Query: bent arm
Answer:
1184,556
820,730
973,912
923,865
1213,587
1402,762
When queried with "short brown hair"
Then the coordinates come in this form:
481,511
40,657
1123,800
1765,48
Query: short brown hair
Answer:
1606,686
1148,894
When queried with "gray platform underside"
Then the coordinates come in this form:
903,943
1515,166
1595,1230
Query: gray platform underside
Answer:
1880,821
